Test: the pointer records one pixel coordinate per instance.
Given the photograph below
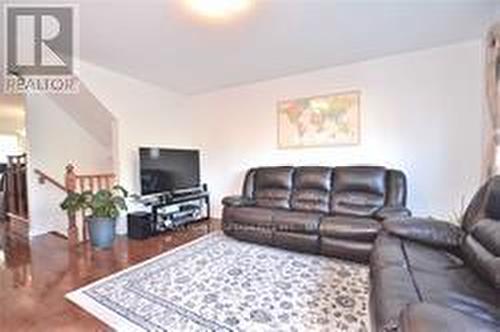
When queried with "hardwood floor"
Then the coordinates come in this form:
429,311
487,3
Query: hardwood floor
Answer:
34,277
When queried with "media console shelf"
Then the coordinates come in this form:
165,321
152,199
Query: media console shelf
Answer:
201,197
169,212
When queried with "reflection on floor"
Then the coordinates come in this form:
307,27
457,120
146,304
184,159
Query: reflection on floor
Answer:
35,276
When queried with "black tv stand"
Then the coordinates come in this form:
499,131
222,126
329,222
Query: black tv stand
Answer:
184,198
194,206
173,210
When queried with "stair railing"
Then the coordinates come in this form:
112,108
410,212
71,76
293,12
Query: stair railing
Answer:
84,182
73,182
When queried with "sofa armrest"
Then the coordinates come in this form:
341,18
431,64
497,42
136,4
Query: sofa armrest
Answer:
424,317
237,201
435,233
392,212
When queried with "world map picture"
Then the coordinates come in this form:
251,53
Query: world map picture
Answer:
319,121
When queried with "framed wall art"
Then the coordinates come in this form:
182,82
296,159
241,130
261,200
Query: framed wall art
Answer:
327,120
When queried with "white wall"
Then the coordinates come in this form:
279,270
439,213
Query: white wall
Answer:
147,115
14,129
54,140
11,126
12,123
421,112
141,114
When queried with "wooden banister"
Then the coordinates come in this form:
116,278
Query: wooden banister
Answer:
42,178
86,182
70,179
96,175
78,183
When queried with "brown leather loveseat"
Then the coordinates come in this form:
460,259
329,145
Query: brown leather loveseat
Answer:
429,275
330,211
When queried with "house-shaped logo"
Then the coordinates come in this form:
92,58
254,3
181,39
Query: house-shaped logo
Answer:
40,49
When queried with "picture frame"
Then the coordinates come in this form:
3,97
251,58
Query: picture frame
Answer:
319,121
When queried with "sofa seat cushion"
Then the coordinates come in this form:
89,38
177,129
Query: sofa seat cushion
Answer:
423,317
250,233
392,290
424,258
250,216
391,250
460,289
387,252
296,241
393,265
296,222
405,272
350,228
346,249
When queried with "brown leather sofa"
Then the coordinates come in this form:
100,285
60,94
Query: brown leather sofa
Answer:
429,275
330,211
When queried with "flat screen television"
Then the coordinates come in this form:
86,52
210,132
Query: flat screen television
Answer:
168,170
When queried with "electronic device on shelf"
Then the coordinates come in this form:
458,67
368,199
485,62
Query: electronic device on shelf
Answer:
183,208
173,171
171,189
140,225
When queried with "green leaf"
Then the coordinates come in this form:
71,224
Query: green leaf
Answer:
104,203
121,190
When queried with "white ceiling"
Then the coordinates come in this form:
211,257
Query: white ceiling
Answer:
161,42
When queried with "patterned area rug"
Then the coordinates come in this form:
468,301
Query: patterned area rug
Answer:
220,284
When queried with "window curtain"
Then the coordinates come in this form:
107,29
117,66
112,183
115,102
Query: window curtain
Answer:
491,162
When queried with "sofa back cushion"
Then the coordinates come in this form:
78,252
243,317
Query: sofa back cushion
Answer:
311,189
273,187
350,190
395,188
248,190
2,184
481,250
485,204
492,201
475,210
481,222
358,190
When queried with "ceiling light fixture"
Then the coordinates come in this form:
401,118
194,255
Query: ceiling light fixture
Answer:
218,9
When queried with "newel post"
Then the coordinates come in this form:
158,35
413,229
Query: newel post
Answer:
70,179
70,184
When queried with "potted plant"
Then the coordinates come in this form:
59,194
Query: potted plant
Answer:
104,207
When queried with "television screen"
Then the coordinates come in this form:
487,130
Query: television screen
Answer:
165,170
